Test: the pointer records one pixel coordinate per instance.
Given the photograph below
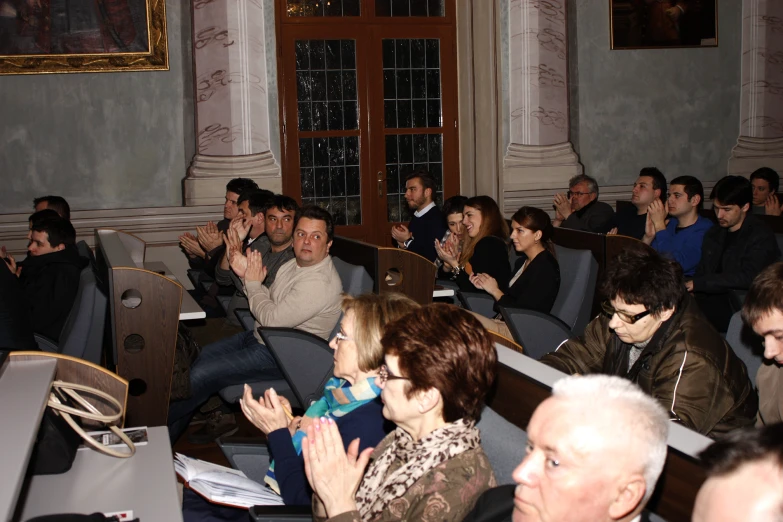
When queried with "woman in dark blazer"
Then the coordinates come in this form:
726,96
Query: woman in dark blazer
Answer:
484,248
536,279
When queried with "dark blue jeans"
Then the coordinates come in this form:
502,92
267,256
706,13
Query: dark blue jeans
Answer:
235,360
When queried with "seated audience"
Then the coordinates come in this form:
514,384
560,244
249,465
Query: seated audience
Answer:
50,275
536,278
765,182
580,209
763,312
452,209
595,450
16,327
205,251
732,254
439,364
56,203
351,398
631,220
427,223
484,249
305,295
744,477
680,238
652,333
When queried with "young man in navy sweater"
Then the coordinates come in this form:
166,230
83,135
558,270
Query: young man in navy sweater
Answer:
427,224
681,238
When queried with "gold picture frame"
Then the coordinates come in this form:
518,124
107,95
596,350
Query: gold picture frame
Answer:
125,35
663,24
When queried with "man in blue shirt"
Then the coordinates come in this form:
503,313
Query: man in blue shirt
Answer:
681,238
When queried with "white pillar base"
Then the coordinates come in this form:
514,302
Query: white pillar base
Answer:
537,170
750,154
208,176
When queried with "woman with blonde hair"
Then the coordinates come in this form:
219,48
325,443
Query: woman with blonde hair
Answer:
484,248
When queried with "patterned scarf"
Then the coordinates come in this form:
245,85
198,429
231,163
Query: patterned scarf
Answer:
379,487
338,400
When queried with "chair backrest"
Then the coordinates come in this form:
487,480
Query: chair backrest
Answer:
305,360
578,276
82,334
503,443
538,333
355,279
746,344
479,302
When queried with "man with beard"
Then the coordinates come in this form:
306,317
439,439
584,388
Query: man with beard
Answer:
427,224
732,253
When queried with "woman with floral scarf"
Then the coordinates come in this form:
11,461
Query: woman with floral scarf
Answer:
350,397
439,365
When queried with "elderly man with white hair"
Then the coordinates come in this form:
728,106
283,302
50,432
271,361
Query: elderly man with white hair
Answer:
594,453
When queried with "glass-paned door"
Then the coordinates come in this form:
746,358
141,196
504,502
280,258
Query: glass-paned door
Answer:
368,93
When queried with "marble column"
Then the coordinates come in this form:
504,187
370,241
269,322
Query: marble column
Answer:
760,143
232,112
539,155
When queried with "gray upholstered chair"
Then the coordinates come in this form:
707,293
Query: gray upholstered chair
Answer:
538,333
746,344
82,334
578,276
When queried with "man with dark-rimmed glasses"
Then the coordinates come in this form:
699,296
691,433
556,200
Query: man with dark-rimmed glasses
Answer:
651,332
579,208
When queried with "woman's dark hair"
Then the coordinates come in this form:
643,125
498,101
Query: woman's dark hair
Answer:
535,219
316,212
492,224
639,275
769,175
454,205
444,347
732,190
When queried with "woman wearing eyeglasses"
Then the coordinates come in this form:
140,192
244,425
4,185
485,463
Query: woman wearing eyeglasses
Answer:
439,365
652,332
350,397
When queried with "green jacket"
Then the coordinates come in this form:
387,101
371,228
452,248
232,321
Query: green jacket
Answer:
687,366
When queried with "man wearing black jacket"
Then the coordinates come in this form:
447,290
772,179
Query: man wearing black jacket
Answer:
427,224
732,254
50,275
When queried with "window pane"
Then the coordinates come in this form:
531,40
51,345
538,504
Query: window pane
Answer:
410,8
330,176
404,153
324,7
411,83
325,81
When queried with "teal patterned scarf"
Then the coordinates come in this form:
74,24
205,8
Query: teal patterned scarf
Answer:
339,400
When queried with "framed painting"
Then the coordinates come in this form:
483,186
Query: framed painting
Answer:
662,24
72,36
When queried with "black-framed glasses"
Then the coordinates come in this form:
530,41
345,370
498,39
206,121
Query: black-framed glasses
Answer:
386,375
608,310
577,194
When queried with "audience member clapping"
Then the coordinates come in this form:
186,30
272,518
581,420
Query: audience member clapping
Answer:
650,186
439,365
579,209
536,278
484,250
595,450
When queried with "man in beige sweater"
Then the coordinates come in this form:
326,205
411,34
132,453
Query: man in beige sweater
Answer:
305,295
763,311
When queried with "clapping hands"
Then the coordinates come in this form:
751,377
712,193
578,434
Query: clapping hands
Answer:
256,271
209,236
190,244
333,474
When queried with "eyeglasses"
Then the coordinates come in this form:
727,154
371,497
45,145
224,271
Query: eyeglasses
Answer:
609,311
340,336
386,375
569,194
